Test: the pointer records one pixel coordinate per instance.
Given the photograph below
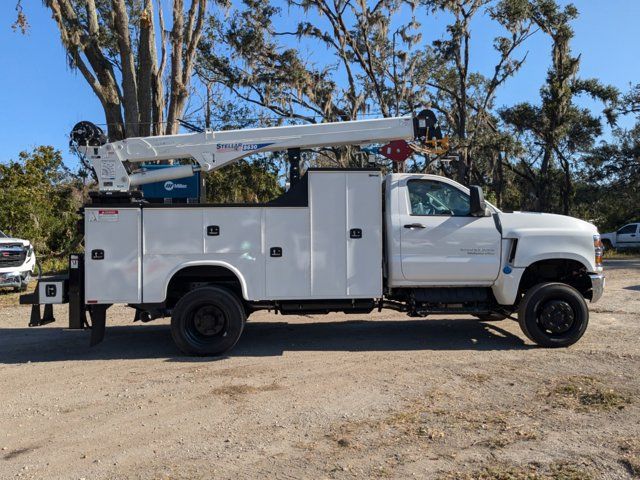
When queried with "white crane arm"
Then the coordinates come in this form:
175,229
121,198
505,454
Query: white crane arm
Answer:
214,149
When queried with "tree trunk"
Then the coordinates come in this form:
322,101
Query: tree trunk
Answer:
157,81
543,203
567,191
499,180
177,46
146,68
129,87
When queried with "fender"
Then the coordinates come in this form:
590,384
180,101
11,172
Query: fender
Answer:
208,263
505,289
531,259
544,236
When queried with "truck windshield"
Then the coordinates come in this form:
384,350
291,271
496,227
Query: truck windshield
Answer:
430,197
2,235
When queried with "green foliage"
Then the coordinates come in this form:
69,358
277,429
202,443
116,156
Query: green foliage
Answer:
611,179
243,182
39,199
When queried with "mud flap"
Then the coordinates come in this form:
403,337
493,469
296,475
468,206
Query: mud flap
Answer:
98,322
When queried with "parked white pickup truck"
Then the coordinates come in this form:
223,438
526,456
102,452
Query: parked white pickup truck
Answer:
626,237
338,240
17,261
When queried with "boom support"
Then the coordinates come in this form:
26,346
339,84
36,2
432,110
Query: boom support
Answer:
214,149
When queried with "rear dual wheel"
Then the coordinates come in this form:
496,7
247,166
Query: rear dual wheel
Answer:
553,315
207,321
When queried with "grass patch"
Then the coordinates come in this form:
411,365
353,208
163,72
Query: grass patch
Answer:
554,471
403,425
421,420
9,298
612,254
507,436
235,391
476,377
586,393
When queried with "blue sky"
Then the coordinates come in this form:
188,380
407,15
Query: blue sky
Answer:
41,98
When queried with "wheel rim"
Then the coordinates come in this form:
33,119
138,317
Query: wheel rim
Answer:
206,323
556,316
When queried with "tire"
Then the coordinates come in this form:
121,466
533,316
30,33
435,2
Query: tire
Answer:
607,244
207,321
490,317
553,315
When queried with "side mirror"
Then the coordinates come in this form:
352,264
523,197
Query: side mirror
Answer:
478,205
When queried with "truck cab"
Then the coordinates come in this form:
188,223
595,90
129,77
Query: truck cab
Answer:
437,237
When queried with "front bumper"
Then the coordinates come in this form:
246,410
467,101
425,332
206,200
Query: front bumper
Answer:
597,286
14,279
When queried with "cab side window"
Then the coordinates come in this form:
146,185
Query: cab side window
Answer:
430,197
628,229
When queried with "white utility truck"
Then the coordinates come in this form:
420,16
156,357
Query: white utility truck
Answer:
17,262
338,240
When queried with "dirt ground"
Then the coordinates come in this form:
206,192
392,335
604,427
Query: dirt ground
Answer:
332,396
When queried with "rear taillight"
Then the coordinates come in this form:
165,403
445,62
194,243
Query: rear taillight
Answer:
598,248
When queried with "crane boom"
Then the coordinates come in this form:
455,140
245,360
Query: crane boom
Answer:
214,149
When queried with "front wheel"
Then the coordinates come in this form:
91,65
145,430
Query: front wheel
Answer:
20,288
553,315
207,321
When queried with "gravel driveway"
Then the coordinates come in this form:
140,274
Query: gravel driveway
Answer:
325,397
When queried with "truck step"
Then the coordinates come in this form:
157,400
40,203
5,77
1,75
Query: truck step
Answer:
451,295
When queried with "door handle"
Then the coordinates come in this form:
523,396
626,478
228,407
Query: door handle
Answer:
415,225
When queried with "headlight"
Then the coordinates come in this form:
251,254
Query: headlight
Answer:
598,248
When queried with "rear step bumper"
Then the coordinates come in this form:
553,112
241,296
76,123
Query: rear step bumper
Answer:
60,289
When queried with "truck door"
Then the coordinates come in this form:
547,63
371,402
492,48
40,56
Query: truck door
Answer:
441,244
627,236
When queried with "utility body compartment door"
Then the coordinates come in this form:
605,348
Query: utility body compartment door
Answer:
346,234
112,258
364,235
441,244
287,253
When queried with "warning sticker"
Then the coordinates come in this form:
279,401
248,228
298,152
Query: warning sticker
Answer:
108,169
107,215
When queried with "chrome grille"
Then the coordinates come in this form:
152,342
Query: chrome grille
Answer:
12,255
